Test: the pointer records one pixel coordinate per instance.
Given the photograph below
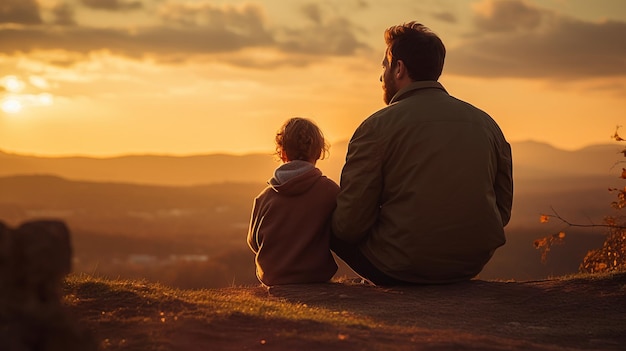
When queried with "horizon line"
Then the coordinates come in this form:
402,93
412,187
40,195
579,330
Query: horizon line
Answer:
238,153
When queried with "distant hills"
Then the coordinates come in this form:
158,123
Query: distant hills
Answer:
145,169
544,176
540,160
192,198
532,160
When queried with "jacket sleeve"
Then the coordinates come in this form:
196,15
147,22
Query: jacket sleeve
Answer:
253,230
358,202
504,183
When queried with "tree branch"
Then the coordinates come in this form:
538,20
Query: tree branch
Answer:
592,225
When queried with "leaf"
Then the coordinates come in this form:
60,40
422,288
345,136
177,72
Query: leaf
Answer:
616,136
610,220
561,235
544,218
539,243
623,176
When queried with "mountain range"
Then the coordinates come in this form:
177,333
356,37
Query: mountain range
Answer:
532,161
168,201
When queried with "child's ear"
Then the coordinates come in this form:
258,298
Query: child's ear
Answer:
283,156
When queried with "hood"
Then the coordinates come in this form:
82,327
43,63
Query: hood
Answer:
294,178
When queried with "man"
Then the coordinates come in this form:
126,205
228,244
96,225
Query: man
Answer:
427,186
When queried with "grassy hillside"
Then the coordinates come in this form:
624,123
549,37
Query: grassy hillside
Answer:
573,313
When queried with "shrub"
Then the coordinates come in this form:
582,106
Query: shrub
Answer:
612,255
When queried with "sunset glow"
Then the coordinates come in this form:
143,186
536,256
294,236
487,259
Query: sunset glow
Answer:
12,84
11,105
200,76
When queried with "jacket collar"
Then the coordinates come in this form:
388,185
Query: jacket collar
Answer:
414,87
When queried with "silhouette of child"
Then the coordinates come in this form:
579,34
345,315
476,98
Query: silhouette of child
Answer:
290,225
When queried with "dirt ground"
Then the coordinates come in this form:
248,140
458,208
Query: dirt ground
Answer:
579,313
583,313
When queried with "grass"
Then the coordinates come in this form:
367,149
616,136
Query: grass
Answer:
137,315
569,313
216,303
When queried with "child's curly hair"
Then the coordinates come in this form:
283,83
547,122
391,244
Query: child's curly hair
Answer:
301,139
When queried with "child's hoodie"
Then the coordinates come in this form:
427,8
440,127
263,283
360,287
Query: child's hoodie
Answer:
290,226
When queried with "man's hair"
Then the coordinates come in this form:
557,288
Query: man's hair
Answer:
301,139
420,49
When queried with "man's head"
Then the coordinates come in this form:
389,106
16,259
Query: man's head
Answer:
414,53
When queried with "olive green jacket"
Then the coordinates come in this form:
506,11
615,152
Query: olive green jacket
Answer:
427,187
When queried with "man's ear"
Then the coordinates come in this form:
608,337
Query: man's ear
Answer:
400,70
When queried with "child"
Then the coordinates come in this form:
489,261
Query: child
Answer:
290,226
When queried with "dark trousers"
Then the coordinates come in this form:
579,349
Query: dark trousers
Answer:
353,257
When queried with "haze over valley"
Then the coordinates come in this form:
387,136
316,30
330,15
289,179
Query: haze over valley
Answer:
183,220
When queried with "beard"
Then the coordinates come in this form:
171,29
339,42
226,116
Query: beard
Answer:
389,89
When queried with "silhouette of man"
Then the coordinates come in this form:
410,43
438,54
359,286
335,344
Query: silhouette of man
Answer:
427,186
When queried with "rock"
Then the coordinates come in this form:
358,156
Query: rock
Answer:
34,259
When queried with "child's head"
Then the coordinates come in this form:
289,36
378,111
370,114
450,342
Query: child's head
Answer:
300,139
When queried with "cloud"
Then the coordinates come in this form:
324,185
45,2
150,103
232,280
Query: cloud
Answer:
313,12
362,4
328,33
20,12
506,16
189,30
445,16
331,38
160,43
245,18
64,15
112,5
521,41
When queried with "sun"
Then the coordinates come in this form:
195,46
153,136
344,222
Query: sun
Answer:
11,105
12,84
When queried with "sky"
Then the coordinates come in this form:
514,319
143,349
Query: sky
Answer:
182,77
